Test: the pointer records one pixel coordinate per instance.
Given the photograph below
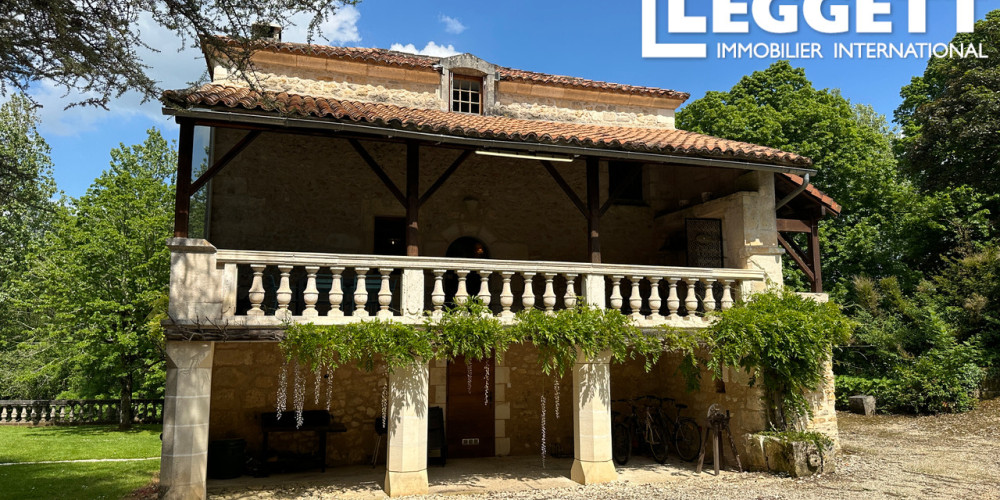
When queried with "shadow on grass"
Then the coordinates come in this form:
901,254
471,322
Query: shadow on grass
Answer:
87,430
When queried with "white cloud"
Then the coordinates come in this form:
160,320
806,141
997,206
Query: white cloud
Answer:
171,68
338,29
431,49
452,25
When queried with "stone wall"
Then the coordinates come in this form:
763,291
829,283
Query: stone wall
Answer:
295,193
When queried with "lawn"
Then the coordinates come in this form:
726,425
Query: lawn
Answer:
82,480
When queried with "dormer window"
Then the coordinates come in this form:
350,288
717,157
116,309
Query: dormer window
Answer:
467,94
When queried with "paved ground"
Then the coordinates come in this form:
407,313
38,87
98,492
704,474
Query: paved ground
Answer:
949,456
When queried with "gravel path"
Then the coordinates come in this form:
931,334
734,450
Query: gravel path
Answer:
948,456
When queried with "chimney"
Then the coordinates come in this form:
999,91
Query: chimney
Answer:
266,31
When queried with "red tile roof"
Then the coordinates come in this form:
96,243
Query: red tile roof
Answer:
814,192
644,140
406,60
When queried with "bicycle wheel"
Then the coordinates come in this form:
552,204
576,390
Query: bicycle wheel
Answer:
621,443
658,439
687,438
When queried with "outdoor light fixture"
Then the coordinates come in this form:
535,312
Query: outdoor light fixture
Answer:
524,156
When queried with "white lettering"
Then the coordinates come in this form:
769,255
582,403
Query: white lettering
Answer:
722,17
650,47
866,12
812,10
787,22
918,16
679,22
965,12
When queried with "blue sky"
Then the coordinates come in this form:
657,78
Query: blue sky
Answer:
593,39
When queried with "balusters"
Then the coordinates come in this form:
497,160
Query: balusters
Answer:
336,293
3,413
635,299
616,293
256,293
673,301
437,295
384,294
528,297
569,299
310,295
506,297
654,298
549,296
691,301
462,294
284,293
709,300
727,297
361,293
484,287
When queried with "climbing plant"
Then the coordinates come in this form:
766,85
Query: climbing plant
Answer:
331,346
468,330
782,340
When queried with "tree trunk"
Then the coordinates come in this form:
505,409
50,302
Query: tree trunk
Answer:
125,406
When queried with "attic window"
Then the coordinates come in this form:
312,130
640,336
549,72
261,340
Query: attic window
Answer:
467,94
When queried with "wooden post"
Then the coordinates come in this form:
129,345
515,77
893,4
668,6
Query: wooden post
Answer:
182,198
814,257
412,198
593,210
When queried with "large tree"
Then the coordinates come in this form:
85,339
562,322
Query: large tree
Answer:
105,271
950,117
94,46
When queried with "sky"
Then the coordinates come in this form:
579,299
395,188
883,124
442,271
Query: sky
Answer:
600,40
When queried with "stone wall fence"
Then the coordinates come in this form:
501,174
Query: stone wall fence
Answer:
76,411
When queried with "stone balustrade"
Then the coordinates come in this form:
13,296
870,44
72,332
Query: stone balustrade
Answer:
270,288
76,411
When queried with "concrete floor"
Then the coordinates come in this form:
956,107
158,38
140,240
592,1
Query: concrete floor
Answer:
459,476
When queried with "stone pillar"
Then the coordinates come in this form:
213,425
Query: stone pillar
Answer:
195,281
592,421
406,464
185,419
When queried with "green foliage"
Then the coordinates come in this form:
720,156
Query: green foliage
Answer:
967,291
950,117
781,339
818,439
470,331
583,330
363,343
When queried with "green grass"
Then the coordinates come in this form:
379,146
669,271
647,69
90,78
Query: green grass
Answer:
76,480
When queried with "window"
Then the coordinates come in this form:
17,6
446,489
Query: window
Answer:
625,183
467,94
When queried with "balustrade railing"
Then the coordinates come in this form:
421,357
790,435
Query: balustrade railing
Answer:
77,411
267,287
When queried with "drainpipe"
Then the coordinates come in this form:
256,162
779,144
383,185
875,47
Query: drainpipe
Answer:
791,196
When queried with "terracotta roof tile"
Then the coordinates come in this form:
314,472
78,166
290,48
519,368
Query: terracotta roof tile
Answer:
407,60
646,140
815,193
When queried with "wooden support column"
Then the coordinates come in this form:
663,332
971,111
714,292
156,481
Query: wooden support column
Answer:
593,210
412,198
814,257
182,197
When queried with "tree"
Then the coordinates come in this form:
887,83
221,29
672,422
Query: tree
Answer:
26,214
950,117
93,47
105,270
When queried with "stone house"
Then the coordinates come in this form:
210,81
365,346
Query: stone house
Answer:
358,183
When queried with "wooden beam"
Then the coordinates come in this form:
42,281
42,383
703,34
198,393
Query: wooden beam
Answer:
565,186
182,196
226,158
794,226
817,265
412,198
620,189
593,211
444,177
794,253
378,171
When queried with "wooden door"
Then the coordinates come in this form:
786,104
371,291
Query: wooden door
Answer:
470,420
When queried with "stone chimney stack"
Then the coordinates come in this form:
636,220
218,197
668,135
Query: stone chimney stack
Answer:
266,31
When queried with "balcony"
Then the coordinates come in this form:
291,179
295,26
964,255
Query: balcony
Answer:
230,292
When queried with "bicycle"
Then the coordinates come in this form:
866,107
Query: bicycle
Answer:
645,427
685,433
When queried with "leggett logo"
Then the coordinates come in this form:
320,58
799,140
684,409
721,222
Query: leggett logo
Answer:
787,21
